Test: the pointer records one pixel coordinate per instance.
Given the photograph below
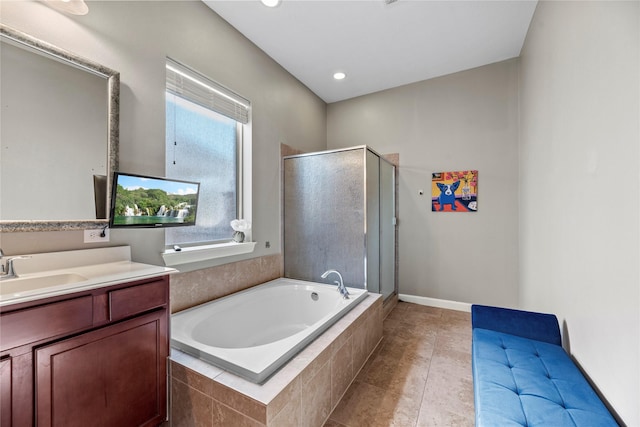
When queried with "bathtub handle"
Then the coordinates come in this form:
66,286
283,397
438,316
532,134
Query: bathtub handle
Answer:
342,289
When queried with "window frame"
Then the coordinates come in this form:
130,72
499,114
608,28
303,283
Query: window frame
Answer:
207,250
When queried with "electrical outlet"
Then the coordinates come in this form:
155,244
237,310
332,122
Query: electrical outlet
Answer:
95,235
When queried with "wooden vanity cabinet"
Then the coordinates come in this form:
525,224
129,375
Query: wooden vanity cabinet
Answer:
97,358
5,391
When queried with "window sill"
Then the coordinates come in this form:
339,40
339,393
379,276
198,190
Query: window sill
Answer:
202,253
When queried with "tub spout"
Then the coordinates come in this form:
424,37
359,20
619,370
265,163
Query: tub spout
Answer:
341,288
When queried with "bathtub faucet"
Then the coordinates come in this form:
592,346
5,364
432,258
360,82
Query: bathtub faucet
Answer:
341,288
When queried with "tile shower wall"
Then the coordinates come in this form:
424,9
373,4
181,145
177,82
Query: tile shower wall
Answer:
394,159
200,286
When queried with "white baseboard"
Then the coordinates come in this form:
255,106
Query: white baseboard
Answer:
434,302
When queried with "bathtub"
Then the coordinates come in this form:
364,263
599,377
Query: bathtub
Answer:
254,332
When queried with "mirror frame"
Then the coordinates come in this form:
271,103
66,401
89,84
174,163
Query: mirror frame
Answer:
113,124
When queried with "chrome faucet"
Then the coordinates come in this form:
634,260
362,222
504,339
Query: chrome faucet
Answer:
341,288
8,270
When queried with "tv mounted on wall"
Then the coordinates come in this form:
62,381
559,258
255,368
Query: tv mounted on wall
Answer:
152,202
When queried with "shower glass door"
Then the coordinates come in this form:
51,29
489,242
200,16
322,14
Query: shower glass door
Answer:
387,229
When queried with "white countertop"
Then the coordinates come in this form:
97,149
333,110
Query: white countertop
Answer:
59,273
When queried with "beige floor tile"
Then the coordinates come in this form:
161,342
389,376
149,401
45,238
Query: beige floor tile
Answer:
409,349
447,400
420,374
371,406
452,352
440,417
332,423
399,376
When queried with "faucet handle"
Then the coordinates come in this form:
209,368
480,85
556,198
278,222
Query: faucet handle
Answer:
10,271
18,257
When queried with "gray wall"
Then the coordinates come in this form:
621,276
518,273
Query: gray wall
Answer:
556,146
462,121
579,168
134,38
556,225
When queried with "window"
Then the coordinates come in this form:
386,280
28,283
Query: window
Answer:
205,128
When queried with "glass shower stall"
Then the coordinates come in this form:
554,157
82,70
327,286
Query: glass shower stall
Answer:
339,213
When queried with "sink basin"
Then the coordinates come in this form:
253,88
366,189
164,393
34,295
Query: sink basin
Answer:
27,284
53,274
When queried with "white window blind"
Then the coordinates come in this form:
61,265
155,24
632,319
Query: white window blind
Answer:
189,84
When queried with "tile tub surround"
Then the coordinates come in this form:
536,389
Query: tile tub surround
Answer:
200,286
302,393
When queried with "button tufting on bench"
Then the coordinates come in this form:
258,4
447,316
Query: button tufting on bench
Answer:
542,382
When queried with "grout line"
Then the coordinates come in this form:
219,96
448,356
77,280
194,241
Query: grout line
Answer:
417,332
424,390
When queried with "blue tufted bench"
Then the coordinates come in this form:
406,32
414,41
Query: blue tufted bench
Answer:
523,377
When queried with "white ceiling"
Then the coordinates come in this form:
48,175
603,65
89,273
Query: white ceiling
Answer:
379,45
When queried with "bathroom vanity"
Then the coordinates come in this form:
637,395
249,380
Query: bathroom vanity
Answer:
92,352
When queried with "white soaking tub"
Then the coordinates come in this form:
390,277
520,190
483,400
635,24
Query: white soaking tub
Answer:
254,332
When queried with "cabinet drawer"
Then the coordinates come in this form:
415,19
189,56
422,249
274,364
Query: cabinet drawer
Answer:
112,376
45,321
137,299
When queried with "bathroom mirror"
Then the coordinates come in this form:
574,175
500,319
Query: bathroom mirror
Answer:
59,134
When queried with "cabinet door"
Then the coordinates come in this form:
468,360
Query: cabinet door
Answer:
114,376
5,392
16,389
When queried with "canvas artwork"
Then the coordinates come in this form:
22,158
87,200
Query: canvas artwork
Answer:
454,191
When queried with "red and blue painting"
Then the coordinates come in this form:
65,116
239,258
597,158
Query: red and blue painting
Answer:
454,191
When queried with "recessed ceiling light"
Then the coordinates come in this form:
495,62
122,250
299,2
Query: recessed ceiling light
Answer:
339,75
270,3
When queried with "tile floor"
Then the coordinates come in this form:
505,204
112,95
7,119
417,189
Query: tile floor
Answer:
420,374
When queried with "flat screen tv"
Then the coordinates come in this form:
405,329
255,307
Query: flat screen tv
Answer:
152,202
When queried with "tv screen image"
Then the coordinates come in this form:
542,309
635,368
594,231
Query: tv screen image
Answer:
147,201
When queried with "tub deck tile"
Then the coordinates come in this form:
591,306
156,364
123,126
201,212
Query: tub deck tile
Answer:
189,407
316,398
341,371
289,414
303,392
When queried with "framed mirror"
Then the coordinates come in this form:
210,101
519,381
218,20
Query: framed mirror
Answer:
59,134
